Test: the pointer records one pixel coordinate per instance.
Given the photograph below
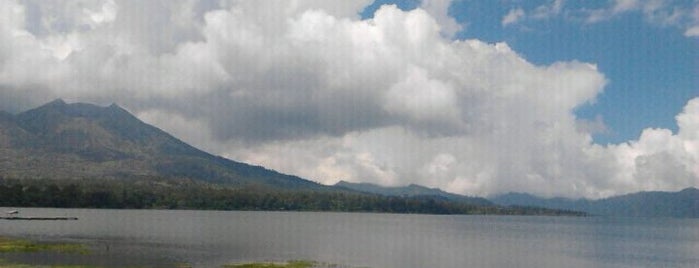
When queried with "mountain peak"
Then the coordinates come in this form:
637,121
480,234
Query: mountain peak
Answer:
56,102
77,109
342,182
413,185
82,140
690,190
115,108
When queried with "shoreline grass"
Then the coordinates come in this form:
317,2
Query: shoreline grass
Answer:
289,264
11,245
16,265
24,246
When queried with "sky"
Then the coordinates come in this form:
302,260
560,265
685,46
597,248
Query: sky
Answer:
555,98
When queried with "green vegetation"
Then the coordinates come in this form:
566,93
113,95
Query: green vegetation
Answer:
154,193
13,245
17,265
8,245
291,264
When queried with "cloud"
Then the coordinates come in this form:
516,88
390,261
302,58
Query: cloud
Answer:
625,5
422,99
660,13
439,9
545,11
693,28
542,12
658,153
308,88
692,32
513,16
595,126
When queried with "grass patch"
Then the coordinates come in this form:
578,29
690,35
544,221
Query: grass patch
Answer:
290,264
8,245
18,265
4,264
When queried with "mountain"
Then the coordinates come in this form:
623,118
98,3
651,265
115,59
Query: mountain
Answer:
73,141
412,190
684,203
61,141
82,155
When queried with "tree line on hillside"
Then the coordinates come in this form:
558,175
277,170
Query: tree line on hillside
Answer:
172,194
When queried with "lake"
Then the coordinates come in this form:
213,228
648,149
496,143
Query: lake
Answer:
213,238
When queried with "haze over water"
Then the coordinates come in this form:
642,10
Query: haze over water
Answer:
213,238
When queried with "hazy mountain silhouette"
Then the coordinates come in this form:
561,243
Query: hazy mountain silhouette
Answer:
412,190
684,203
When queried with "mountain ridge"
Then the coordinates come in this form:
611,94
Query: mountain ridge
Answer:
85,141
682,203
80,140
411,190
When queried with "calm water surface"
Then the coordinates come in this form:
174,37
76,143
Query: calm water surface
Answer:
212,238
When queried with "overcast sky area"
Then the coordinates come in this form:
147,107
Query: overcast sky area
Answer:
554,98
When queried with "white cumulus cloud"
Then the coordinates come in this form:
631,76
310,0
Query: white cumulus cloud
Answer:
439,9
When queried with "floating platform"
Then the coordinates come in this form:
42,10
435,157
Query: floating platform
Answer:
40,218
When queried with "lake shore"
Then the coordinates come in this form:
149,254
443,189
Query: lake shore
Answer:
23,253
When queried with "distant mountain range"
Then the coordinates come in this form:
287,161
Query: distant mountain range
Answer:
74,141
412,190
684,203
